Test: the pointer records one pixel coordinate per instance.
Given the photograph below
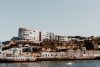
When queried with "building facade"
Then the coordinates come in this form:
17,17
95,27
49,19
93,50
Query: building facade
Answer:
34,35
61,38
28,34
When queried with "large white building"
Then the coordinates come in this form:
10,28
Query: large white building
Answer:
28,34
48,36
51,36
34,35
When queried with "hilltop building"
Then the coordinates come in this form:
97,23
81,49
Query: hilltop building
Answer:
34,35
28,34
61,38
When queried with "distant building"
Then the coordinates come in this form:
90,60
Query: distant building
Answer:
50,36
16,51
28,34
47,36
61,38
44,36
34,35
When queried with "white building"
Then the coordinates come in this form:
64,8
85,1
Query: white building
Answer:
48,36
61,38
16,51
28,34
34,35
53,54
44,36
51,36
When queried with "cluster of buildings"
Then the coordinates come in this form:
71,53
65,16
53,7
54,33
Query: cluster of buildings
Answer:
22,55
72,54
38,36
34,36
54,46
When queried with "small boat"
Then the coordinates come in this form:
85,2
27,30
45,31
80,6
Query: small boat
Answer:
69,63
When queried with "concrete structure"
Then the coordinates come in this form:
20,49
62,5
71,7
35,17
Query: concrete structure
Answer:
53,54
28,34
61,38
75,54
34,35
47,36
0,50
16,51
43,36
51,36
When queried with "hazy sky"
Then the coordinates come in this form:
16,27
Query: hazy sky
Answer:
66,17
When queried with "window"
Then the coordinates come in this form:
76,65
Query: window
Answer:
30,32
26,34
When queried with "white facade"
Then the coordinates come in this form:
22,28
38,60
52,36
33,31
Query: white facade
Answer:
16,51
28,34
51,36
61,38
34,35
6,53
47,36
53,54
43,36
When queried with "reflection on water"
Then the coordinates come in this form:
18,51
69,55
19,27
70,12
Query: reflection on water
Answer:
75,63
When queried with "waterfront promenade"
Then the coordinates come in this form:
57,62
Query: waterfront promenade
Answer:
54,56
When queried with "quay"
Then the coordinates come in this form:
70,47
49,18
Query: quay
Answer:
65,59
53,56
13,60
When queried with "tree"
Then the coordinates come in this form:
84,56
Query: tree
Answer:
88,44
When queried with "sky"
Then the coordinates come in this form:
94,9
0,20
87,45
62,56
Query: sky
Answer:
63,17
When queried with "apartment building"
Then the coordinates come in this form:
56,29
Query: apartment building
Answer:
28,34
61,38
34,35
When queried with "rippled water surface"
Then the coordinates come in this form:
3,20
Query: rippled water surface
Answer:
75,63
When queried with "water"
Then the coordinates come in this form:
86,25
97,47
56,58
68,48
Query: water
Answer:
75,63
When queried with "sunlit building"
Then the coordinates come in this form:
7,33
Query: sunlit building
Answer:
34,35
28,34
61,38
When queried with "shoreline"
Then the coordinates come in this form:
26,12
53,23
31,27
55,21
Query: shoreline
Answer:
46,59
